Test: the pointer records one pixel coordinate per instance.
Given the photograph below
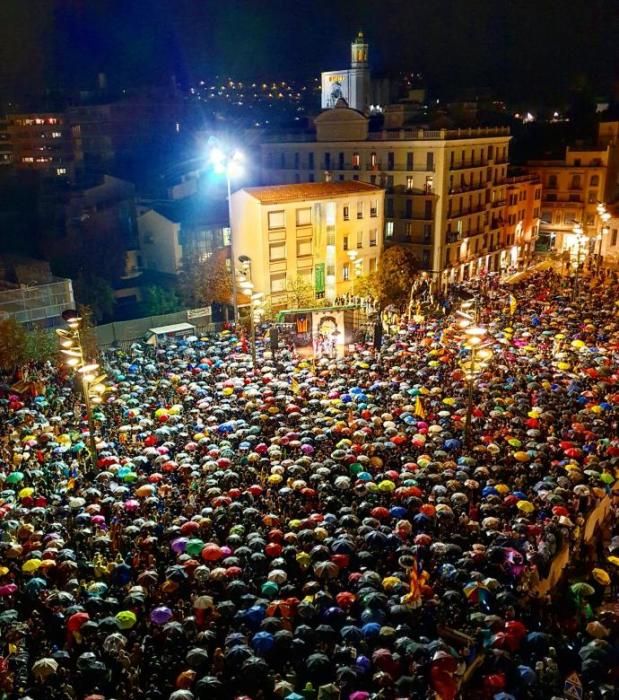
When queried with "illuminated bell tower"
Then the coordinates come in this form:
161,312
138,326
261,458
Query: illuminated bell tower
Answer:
359,90
359,52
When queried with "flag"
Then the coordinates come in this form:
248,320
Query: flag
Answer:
414,594
513,304
295,386
420,411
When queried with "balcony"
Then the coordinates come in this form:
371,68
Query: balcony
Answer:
453,236
477,209
471,164
471,187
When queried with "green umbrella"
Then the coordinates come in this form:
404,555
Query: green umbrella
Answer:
15,477
582,589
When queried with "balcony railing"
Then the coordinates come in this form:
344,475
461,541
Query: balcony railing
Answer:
470,164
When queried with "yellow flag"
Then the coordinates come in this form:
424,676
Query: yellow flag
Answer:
420,411
513,304
295,386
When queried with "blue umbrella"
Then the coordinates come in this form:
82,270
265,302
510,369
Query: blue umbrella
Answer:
262,642
371,629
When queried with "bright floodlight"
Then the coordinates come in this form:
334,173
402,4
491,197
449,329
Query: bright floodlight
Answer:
230,164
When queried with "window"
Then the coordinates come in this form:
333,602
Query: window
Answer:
590,219
372,263
373,238
356,161
304,217
373,208
61,171
427,233
373,161
408,231
56,134
538,194
327,161
359,239
552,182
490,152
278,283
304,247
595,181
575,182
429,184
389,207
425,258
346,272
572,197
341,161
372,179
296,161
277,219
311,178
282,160
389,182
410,160
277,251
430,160
408,209
409,182
346,213
310,160
613,238
577,162
553,197
389,229
297,178
391,160
592,198
428,209
360,210
345,242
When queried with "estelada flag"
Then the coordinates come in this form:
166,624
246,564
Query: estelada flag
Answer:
513,304
295,386
420,411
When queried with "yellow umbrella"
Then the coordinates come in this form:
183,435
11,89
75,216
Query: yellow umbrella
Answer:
525,506
521,456
390,582
30,566
26,492
613,560
601,576
578,344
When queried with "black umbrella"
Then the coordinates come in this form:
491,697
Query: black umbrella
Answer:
197,658
209,688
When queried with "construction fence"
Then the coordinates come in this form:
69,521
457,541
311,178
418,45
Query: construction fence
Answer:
121,333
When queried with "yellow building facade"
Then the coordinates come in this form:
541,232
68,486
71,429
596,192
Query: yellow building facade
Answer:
573,187
325,235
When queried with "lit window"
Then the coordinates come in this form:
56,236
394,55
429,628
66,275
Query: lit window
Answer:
373,238
277,251
304,217
360,210
356,160
56,134
346,272
409,182
373,208
359,239
345,242
304,247
346,213
389,229
61,171
278,283
277,219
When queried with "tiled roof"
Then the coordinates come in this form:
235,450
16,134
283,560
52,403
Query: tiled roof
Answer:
277,194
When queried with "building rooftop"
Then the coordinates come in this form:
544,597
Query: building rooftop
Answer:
278,194
196,209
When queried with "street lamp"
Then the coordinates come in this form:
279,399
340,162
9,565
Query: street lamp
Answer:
256,302
91,380
230,164
605,217
473,364
581,240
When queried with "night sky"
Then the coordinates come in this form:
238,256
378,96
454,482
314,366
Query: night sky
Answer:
519,49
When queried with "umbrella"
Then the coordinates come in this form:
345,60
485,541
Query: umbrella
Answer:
43,668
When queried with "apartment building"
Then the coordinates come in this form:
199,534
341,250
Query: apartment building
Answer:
446,190
325,234
42,142
573,187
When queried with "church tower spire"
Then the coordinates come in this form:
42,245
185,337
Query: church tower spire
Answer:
359,52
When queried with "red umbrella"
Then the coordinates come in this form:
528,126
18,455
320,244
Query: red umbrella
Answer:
380,513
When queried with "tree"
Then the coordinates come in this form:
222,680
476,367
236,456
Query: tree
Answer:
41,345
12,344
88,334
367,286
396,270
300,293
159,301
97,294
208,282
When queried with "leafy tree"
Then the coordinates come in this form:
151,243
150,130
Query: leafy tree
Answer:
41,345
396,270
159,301
300,293
96,293
208,282
367,286
12,344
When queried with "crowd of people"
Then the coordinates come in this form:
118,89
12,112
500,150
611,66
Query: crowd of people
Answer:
320,529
